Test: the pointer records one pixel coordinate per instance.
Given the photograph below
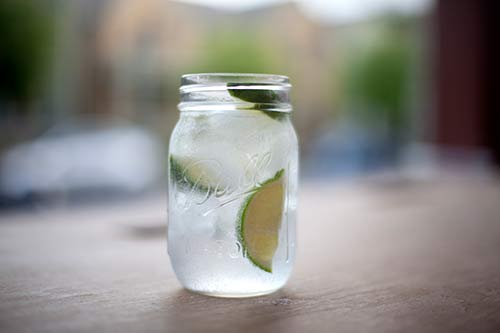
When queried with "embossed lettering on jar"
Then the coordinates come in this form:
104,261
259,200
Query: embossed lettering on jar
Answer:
233,165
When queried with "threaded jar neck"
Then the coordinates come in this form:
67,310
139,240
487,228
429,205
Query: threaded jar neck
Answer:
234,91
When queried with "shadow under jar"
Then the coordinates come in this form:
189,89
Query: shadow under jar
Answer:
232,193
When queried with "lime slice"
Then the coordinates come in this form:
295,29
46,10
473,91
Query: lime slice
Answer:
254,95
190,174
260,221
260,97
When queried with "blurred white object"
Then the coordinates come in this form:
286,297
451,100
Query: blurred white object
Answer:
125,159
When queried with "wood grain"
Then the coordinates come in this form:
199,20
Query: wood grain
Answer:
374,256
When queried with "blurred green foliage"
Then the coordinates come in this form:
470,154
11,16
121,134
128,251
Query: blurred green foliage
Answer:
377,80
26,31
235,51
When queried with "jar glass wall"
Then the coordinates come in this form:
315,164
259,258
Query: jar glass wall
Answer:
233,169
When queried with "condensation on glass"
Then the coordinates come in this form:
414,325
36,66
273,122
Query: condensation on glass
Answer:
233,166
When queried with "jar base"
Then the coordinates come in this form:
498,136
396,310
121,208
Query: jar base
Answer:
233,295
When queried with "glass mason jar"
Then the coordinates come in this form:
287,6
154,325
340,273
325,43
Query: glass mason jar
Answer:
233,165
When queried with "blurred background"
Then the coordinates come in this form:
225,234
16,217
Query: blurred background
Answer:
88,88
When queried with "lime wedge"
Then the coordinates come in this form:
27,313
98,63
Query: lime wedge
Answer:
260,97
190,174
260,220
253,95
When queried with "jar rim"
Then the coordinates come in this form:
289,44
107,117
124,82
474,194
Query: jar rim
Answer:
224,78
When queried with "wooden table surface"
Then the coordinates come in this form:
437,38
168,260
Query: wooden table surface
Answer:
374,256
